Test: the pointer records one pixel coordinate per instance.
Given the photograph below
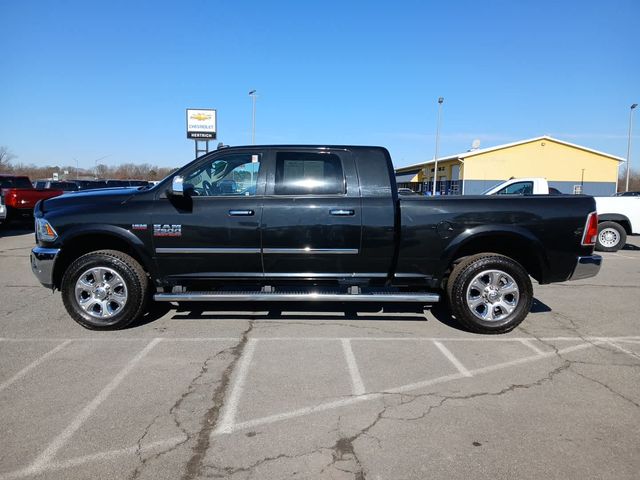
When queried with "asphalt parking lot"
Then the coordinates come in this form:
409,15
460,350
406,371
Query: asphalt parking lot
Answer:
204,391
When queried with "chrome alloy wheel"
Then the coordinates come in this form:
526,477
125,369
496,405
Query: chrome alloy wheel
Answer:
101,292
608,237
492,295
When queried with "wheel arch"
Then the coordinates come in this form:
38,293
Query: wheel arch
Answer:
78,242
623,220
513,242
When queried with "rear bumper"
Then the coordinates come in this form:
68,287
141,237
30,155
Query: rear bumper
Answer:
42,262
586,267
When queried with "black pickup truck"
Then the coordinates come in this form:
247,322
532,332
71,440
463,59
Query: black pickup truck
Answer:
306,223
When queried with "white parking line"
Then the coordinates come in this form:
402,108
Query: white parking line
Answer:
231,405
621,256
42,460
455,339
632,338
120,339
624,350
112,454
96,457
33,365
527,343
403,389
452,358
356,379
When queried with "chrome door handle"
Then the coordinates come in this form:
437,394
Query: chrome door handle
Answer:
342,212
241,213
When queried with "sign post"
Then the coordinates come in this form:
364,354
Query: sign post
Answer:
201,127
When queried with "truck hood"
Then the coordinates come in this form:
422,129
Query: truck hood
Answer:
90,197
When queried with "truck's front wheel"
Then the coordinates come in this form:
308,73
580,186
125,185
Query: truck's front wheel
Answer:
489,293
106,289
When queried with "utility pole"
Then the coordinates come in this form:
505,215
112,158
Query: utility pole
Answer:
95,165
253,95
626,188
435,169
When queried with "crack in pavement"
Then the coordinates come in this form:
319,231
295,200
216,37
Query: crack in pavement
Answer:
173,412
604,385
312,323
209,422
344,448
570,363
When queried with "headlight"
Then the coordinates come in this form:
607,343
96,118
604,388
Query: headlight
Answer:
44,231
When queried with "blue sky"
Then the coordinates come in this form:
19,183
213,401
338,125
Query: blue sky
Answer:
88,79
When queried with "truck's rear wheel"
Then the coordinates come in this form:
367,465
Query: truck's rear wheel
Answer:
611,237
489,293
106,289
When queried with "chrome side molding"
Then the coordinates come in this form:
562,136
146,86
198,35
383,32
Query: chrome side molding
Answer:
287,251
312,251
207,250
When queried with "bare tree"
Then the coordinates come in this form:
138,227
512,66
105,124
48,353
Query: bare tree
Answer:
5,158
634,181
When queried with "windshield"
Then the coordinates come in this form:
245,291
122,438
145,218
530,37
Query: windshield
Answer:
491,188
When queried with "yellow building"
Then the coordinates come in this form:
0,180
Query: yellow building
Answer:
566,166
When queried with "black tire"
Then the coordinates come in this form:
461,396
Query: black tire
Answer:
611,237
136,287
463,275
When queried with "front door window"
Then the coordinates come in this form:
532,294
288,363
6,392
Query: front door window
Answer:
233,175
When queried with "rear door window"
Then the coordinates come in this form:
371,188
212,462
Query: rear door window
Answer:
308,173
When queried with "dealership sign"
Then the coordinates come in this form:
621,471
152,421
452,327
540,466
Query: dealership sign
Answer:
201,124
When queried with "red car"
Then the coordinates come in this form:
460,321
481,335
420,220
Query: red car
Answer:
20,197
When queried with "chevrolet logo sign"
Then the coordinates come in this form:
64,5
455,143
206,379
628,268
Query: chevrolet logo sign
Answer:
200,116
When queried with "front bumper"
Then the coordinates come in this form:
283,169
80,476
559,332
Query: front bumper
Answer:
586,267
42,262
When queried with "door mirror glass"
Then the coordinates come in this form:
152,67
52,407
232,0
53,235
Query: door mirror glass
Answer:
177,186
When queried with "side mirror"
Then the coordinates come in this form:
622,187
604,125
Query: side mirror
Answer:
177,186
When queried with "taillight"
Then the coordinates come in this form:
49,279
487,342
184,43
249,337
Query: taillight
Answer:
590,230
11,199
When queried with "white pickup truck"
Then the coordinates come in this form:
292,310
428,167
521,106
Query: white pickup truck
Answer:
617,216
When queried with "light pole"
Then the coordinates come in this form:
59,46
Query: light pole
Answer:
626,188
435,167
95,165
253,96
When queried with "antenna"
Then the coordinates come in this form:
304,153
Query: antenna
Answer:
475,144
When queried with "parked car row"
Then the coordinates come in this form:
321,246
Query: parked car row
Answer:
18,195
75,185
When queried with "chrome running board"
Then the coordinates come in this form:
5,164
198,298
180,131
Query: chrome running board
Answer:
293,296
